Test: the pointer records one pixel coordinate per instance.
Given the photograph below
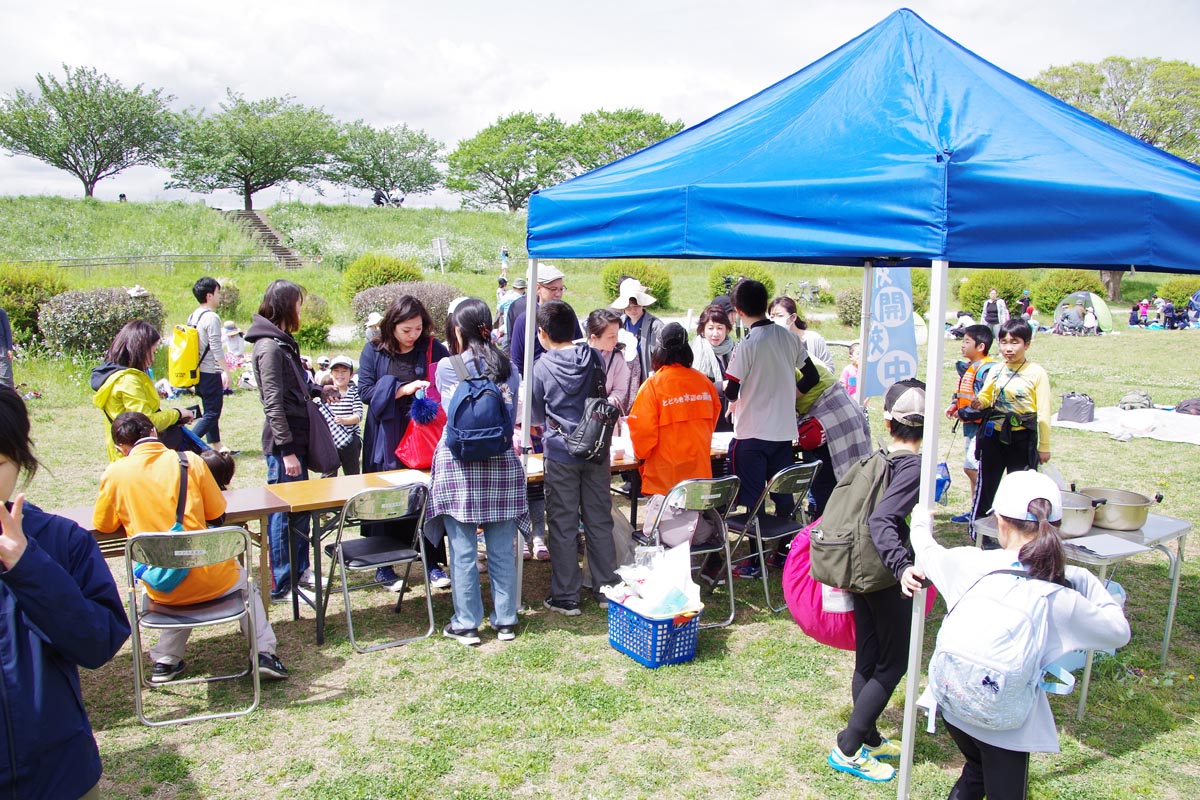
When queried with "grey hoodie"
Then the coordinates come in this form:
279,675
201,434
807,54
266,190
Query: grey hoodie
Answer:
562,382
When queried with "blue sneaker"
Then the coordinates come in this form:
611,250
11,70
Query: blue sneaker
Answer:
438,579
747,571
961,519
388,579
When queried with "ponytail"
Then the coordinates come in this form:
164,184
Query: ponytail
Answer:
1043,556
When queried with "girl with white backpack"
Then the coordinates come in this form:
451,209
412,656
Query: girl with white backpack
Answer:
1069,609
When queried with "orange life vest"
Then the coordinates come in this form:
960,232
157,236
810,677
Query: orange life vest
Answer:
966,384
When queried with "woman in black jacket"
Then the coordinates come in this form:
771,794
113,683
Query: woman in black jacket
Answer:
284,388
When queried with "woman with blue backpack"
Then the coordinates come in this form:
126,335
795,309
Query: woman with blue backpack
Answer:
1021,599
477,479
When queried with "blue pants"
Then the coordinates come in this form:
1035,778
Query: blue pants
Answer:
501,538
212,395
277,530
756,461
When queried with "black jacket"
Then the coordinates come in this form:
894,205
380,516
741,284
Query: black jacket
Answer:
284,388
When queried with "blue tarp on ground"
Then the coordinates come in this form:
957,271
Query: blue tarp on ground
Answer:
902,144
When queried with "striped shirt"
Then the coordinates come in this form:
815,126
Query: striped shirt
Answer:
349,406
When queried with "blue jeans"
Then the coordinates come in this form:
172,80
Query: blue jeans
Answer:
212,395
277,530
501,540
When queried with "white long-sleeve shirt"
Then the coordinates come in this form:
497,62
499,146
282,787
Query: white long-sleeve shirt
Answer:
1085,619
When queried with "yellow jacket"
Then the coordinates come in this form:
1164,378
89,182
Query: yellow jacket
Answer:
131,390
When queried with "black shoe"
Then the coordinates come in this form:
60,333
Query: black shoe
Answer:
270,665
506,633
165,673
465,635
601,599
568,608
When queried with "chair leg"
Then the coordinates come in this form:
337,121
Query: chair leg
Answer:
728,588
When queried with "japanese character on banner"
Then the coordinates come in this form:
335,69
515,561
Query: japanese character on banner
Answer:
891,338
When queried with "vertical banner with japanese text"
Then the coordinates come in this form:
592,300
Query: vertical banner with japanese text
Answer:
891,340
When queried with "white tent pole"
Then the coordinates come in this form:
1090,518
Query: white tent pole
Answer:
864,328
527,399
929,461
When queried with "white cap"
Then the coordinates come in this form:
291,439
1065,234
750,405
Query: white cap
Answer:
341,361
548,273
632,289
905,403
373,319
1016,491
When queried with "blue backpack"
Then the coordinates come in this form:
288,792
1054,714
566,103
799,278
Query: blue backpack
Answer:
478,425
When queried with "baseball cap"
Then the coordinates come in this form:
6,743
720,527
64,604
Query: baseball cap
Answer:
905,403
341,361
548,272
323,362
373,319
1018,489
520,283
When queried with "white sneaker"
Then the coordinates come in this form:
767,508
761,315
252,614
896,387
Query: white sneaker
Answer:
540,551
307,579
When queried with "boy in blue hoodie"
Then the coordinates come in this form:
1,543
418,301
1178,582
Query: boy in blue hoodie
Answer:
575,488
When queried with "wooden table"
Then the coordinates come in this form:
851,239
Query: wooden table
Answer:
241,506
324,498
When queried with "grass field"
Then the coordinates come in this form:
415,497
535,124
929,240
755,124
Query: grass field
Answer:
558,713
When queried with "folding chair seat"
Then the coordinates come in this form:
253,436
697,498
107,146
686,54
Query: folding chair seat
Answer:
794,480
187,550
715,495
403,505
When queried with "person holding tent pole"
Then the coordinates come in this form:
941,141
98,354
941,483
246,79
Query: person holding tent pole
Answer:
1082,615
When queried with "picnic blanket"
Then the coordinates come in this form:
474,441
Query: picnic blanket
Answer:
1155,423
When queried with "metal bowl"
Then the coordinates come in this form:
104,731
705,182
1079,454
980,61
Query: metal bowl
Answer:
1078,514
1122,510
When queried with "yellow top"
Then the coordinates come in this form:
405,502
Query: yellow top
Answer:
1024,389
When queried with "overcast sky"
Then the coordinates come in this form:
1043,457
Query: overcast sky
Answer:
451,68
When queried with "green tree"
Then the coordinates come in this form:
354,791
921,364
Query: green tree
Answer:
88,124
253,145
508,160
601,137
1154,100
386,159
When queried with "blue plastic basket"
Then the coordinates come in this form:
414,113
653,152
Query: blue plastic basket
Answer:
651,642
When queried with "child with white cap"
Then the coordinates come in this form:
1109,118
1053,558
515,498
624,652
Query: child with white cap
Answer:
1083,616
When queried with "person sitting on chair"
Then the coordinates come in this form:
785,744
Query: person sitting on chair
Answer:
140,493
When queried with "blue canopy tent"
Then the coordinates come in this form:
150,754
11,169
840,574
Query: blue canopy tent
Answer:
900,146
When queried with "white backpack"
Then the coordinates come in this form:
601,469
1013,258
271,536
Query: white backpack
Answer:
985,669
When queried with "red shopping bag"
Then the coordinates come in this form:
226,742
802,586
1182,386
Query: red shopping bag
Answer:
427,419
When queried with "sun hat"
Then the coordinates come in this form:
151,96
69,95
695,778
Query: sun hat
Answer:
520,283
548,273
230,327
1018,489
373,319
630,351
632,289
905,403
341,361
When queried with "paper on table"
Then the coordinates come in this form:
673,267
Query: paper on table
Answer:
1105,545
404,477
720,441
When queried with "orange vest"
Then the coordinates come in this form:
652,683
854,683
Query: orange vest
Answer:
966,384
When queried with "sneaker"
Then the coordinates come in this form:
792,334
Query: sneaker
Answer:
961,519
438,579
388,579
711,581
862,765
885,749
270,666
308,579
601,599
464,635
165,673
540,551
506,633
525,554
568,608
747,571
286,597
481,564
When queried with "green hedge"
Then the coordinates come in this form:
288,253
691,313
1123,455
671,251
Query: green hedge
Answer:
1179,290
435,296
23,291
86,322
376,269
735,270
656,280
1008,283
315,320
1058,283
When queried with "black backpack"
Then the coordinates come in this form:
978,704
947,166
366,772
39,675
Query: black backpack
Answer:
478,425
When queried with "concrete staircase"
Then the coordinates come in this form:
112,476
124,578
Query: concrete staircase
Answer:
257,227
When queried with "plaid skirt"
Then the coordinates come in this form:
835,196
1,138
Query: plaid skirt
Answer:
478,491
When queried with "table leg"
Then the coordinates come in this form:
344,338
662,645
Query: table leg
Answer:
292,579
314,534
264,562
1087,667
1176,565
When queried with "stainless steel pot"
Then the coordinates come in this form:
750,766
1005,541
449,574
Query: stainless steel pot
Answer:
1122,510
1078,514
